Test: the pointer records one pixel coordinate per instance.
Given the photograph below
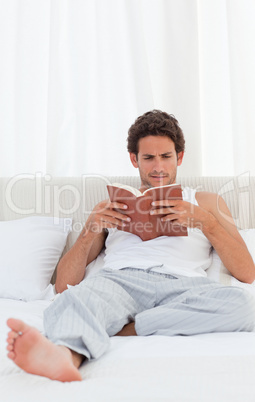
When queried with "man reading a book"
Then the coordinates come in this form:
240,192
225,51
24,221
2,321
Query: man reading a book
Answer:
153,287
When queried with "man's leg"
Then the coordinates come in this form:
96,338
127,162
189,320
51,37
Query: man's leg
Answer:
190,306
84,317
127,330
78,324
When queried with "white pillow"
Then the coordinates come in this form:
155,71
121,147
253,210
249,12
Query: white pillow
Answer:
219,273
30,250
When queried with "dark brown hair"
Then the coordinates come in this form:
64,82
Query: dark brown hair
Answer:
155,123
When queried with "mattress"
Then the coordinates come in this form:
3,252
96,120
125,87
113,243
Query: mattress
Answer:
208,367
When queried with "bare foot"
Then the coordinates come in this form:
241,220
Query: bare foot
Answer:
35,354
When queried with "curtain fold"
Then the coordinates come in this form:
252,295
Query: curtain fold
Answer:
74,75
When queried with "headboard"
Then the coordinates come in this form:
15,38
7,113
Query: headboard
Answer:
75,197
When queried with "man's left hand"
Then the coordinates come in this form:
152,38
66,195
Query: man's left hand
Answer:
181,212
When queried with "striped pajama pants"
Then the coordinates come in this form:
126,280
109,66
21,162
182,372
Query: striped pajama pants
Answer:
85,316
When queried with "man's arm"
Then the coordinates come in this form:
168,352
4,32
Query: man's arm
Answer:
221,231
72,266
213,217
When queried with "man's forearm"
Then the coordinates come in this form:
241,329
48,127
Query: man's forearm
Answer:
233,253
72,266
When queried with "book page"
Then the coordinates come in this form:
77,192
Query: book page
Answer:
132,190
167,185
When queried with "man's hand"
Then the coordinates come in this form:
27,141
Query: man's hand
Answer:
104,216
182,213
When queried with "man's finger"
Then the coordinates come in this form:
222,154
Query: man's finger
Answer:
116,215
118,205
166,211
167,203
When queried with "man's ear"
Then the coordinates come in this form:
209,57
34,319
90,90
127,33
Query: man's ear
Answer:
133,158
180,156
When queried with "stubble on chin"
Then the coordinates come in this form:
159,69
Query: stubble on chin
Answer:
146,183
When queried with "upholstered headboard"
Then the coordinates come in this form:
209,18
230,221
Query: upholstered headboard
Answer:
75,197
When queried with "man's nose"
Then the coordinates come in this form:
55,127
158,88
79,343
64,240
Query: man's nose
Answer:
158,165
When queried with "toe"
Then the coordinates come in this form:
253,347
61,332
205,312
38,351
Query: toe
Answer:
17,325
13,335
11,355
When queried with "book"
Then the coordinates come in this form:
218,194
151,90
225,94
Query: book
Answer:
143,224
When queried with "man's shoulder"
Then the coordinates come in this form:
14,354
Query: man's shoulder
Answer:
208,200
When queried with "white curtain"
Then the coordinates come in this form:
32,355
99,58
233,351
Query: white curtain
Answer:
74,75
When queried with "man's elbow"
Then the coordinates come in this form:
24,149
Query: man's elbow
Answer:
60,286
251,279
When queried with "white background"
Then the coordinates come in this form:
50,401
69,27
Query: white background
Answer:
74,75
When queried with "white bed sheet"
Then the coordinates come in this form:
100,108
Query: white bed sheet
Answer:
210,367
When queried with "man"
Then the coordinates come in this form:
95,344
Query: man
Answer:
152,287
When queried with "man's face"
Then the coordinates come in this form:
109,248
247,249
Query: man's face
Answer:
157,161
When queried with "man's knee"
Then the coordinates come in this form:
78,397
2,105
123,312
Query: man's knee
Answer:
246,311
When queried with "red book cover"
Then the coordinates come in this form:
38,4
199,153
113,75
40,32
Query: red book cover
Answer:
143,224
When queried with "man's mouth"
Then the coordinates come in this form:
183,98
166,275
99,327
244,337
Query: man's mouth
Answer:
158,176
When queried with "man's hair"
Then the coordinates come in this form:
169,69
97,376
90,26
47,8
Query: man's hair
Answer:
155,123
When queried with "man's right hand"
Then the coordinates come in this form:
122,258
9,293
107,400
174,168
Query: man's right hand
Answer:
104,216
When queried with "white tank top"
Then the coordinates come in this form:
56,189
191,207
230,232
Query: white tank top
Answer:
185,256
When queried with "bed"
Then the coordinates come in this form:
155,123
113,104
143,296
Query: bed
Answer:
41,216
